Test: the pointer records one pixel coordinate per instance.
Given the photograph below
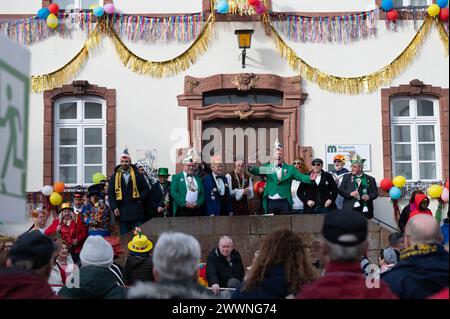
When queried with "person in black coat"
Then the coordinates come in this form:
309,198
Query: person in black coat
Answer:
224,267
320,196
359,189
154,189
127,192
423,269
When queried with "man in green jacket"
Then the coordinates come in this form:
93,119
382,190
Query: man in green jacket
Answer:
186,189
277,198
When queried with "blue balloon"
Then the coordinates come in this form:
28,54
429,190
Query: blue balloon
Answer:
43,13
442,3
98,11
222,6
387,5
395,193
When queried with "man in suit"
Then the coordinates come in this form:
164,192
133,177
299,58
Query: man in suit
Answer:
127,192
358,189
187,190
318,197
217,191
277,198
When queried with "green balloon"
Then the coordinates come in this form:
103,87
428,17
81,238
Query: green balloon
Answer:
98,177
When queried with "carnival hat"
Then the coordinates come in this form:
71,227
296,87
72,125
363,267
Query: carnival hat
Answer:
163,171
339,157
125,153
140,244
65,206
96,189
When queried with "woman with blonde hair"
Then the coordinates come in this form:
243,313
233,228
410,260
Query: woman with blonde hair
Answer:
281,268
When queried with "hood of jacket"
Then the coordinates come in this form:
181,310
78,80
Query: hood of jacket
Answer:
418,199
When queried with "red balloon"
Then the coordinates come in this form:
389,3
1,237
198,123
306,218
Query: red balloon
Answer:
443,14
386,184
253,3
446,184
53,8
392,15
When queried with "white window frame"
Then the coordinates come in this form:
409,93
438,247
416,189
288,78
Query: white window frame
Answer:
407,3
78,5
80,124
414,122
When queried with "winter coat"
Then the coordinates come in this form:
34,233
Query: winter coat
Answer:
138,268
19,284
417,200
131,209
348,186
95,283
76,230
419,276
404,216
344,281
212,196
273,286
219,271
326,190
168,290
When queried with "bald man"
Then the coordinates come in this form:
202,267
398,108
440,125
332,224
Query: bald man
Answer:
423,268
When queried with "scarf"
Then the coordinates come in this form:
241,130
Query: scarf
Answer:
419,250
118,184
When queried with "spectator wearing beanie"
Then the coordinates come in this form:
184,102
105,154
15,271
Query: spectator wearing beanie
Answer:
29,265
96,280
388,259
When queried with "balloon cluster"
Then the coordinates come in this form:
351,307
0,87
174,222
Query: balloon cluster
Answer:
439,9
223,6
99,11
388,6
54,192
436,191
50,14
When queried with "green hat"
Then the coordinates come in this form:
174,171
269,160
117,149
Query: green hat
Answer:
355,159
163,171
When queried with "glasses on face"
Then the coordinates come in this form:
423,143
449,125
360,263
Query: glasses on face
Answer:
316,164
297,163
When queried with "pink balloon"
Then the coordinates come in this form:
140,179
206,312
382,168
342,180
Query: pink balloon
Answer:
444,195
108,8
261,8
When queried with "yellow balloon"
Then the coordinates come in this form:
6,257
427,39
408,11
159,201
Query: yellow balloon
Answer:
399,181
433,10
52,21
92,7
55,199
435,191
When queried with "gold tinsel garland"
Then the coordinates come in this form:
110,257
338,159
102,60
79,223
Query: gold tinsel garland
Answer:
443,35
351,85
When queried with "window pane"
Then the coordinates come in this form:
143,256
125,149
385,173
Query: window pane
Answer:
418,3
400,108
427,170
425,108
89,171
234,99
274,99
92,155
64,4
92,110
427,152
67,136
426,133
68,111
398,3
87,3
219,99
402,152
67,155
92,136
404,169
68,174
402,133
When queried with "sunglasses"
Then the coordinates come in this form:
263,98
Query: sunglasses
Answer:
297,163
316,164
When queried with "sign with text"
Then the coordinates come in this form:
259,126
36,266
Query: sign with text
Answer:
14,95
332,150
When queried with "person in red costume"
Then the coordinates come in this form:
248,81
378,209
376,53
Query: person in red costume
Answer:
421,202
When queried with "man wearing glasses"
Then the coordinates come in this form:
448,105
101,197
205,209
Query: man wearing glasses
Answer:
338,174
319,196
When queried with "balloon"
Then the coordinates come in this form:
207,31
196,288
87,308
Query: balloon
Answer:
59,187
222,6
55,199
392,15
435,191
387,4
444,195
98,11
47,190
52,21
446,184
386,184
109,8
395,193
53,8
43,13
442,3
443,14
98,177
261,8
433,10
92,7
254,3
399,181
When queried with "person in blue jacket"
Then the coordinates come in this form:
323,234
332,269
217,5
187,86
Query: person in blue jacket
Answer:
217,191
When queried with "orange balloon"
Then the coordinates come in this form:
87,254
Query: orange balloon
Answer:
59,187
